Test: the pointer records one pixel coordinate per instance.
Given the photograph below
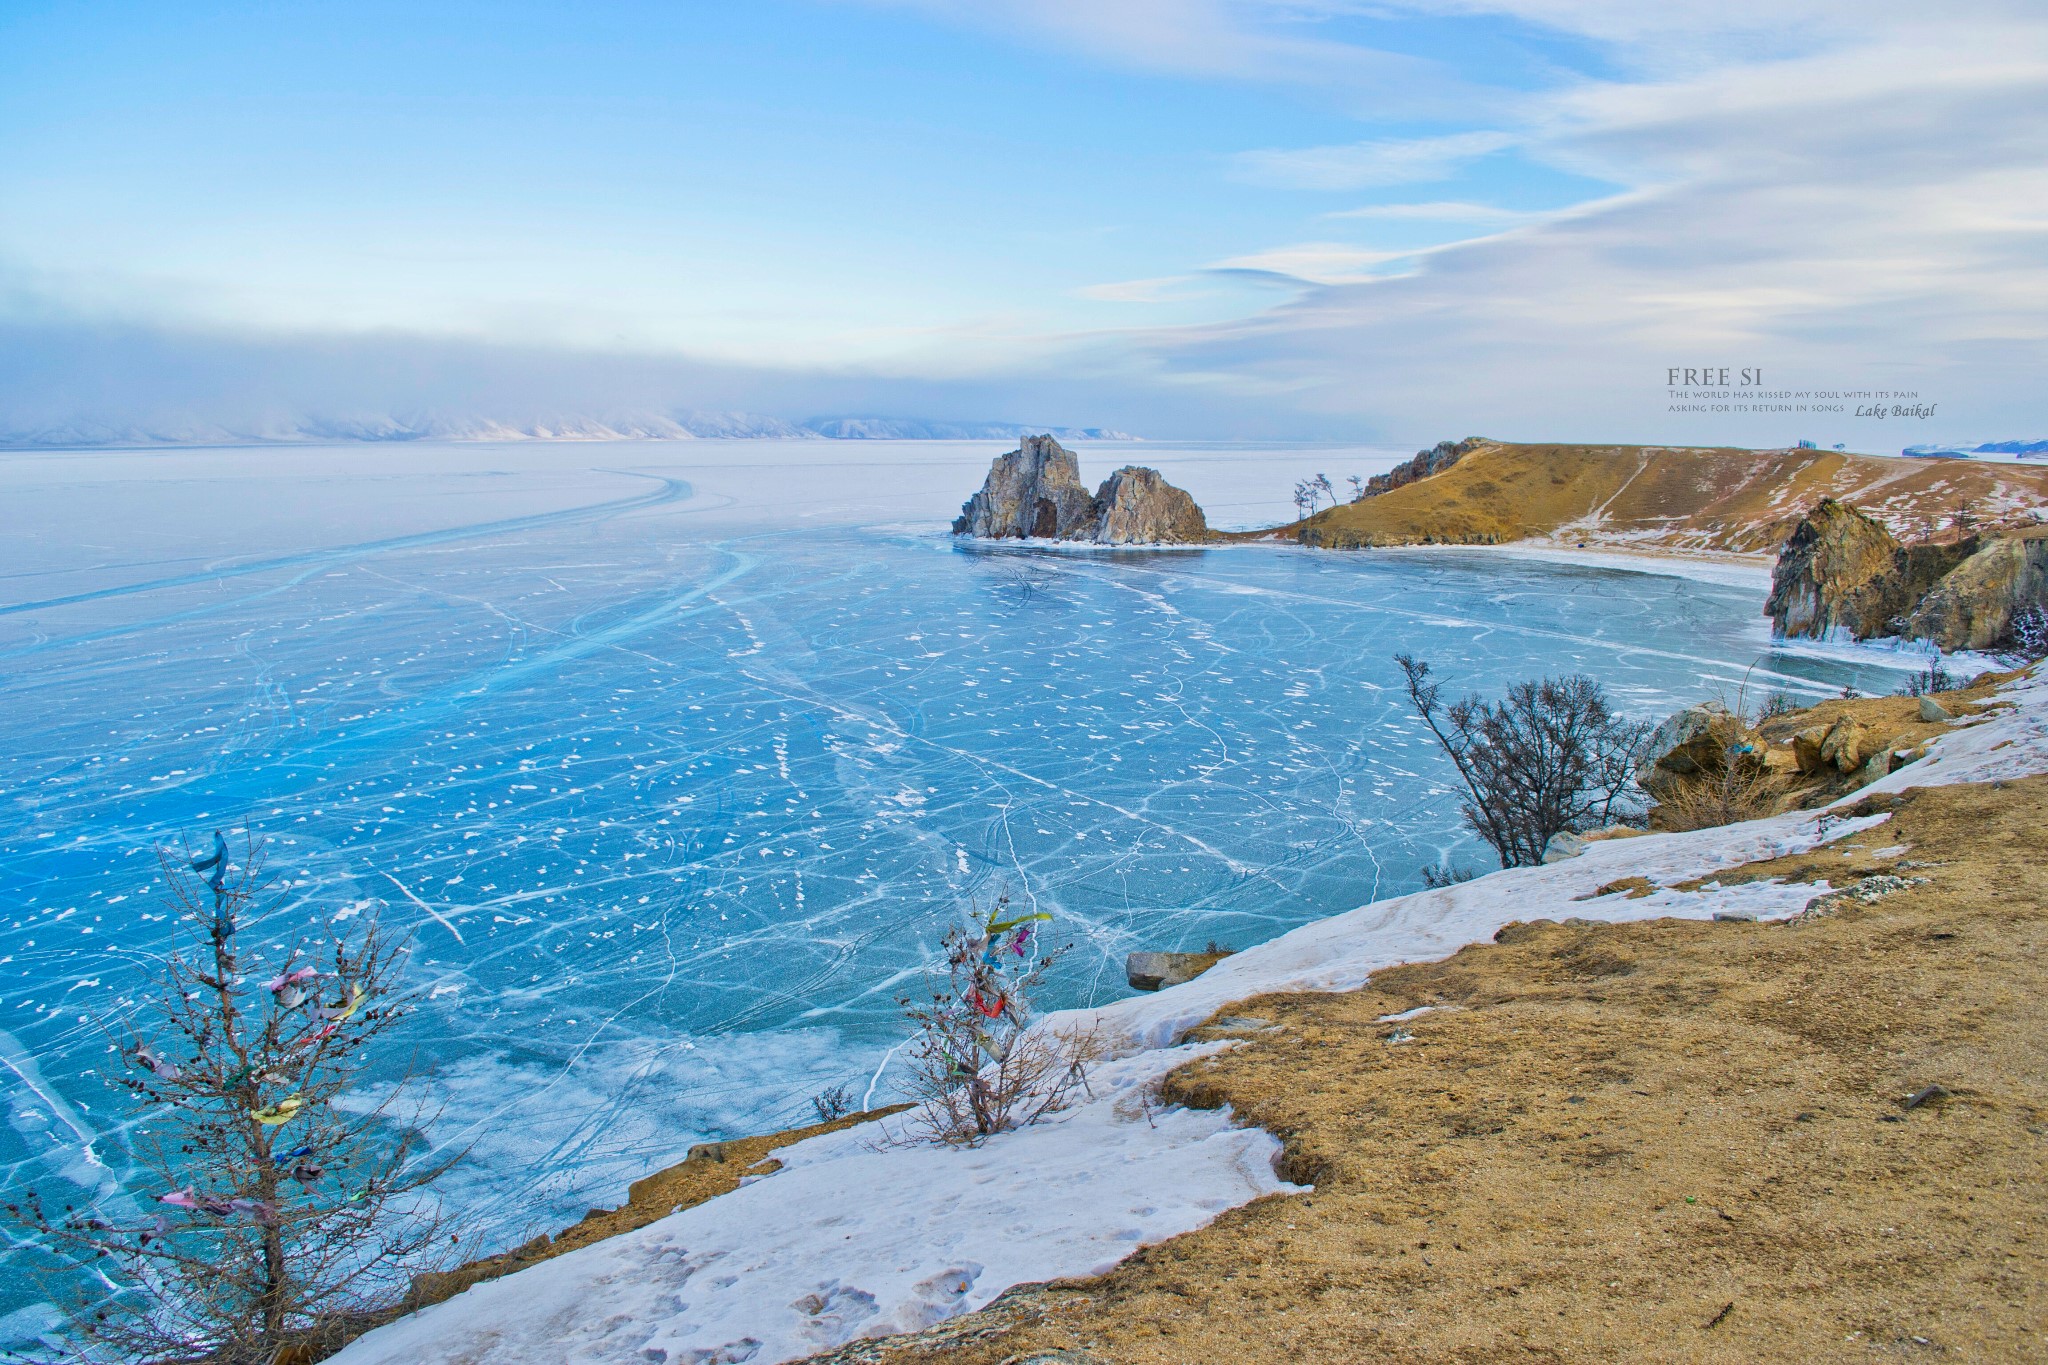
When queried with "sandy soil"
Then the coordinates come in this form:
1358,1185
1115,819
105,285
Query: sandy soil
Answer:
1662,1141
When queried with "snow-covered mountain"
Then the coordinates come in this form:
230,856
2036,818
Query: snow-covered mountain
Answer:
2021,449
681,425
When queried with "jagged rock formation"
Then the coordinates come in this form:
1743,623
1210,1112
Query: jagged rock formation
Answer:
1843,571
1974,605
1138,507
1035,491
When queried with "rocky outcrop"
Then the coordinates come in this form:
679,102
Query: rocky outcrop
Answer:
1036,492
1840,571
1138,507
1843,571
1973,606
1435,460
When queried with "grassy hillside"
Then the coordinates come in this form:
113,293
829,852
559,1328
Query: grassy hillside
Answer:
1663,498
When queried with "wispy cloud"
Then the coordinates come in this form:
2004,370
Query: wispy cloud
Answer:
1159,290
1440,211
1361,165
1313,262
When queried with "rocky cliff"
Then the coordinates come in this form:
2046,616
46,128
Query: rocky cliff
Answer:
1841,570
1036,492
1973,606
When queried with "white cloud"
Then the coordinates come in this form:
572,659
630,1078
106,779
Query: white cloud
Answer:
1357,165
1860,216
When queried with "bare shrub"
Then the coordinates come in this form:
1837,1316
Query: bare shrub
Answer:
835,1103
1441,875
268,1211
1738,791
978,1067
1551,757
1778,704
1931,679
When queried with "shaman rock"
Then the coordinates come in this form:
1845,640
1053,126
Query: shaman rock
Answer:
1035,491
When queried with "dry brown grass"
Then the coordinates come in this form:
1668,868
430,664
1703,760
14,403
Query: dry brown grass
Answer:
1737,793
1724,499
1665,1141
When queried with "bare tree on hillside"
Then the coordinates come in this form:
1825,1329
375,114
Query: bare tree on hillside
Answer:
1551,757
267,1209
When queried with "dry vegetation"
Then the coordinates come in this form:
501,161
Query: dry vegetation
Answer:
1663,1141
1801,760
1745,501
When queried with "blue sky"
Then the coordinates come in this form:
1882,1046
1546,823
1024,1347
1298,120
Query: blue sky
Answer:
1317,216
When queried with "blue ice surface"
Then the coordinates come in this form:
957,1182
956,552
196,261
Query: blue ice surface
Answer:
679,792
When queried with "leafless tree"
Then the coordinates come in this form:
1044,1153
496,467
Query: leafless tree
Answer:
1305,499
269,1210
1357,488
978,1066
1551,757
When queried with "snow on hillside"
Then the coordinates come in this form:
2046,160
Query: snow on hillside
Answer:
859,1236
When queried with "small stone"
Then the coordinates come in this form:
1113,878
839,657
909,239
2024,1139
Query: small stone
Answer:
1932,711
1156,971
1563,845
1737,915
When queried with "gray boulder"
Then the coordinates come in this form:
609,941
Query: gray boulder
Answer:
1156,971
1933,712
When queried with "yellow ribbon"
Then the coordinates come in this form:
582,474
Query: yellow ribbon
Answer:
281,1112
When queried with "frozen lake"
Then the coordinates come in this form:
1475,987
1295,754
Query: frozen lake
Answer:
681,757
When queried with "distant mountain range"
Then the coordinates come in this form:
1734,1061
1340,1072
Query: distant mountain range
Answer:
2023,449
676,426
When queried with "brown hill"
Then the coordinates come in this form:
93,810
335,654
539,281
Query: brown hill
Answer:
1665,498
